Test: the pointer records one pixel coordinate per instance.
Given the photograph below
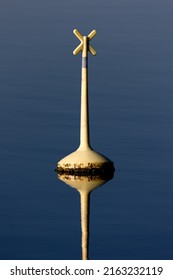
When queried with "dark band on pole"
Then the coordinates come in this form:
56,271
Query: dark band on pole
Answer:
84,62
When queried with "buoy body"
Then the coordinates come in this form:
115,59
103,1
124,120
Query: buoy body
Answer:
84,159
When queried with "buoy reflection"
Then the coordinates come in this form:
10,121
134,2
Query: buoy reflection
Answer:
85,185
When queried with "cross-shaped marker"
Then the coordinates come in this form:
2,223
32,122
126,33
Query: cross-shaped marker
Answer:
84,46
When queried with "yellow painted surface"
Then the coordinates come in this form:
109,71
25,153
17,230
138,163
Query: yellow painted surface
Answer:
84,185
84,157
81,39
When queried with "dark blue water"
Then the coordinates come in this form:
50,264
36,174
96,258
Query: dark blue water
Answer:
131,96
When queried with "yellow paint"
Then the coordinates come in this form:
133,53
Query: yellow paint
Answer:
84,156
84,46
84,185
81,38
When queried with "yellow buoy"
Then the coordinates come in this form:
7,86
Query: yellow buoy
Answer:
84,160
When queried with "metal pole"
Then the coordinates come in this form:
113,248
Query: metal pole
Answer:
84,120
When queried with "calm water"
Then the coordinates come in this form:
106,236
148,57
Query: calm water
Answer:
131,95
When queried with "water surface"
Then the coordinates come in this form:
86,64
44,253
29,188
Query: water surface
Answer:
130,90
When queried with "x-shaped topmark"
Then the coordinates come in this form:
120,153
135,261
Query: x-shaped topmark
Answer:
81,38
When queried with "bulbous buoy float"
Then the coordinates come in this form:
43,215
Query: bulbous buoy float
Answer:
84,160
